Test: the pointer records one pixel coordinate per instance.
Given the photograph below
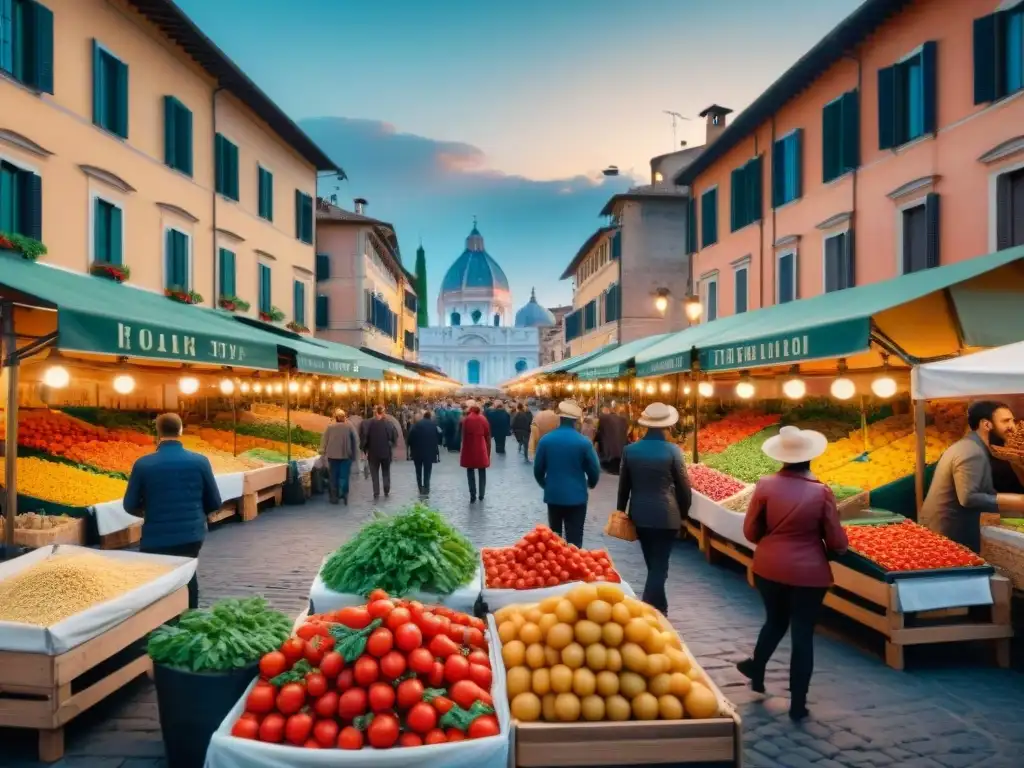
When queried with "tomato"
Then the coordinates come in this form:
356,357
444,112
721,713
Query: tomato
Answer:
332,664
409,692
454,734
475,638
408,637
456,668
392,666
380,609
314,651
380,642
466,692
273,664
457,633
422,718
350,738
442,647
308,631
383,731
250,716
352,704
327,705
476,623
316,684
436,677
272,728
291,698
382,697
428,623
366,671
354,617
345,680
293,648
311,743
436,736
397,618
410,740
421,661
377,594
483,726
297,728
480,675
261,699
245,729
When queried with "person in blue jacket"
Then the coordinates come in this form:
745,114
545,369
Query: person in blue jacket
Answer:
566,467
173,490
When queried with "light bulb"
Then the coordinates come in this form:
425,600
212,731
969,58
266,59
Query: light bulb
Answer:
124,384
687,389
745,390
56,377
884,386
244,387
794,389
257,387
843,388
666,388
650,389
279,388
337,387
640,386
306,387
293,387
188,385
661,304
569,387
323,386
706,389
227,387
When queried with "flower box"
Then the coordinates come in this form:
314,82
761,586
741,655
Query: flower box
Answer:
116,272
26,247
275,315
182,296
297,327
233,304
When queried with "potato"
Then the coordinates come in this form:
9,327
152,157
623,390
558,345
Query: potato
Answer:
517,680
561,678
587,632
526,707
567,707
608,683
592,708
617,709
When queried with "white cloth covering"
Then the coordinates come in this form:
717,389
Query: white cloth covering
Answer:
463,599
996,371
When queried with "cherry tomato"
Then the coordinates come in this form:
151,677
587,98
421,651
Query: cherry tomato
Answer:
454,734
382,732
436,736
380,609
422,718
314,651
442,647
291,698
377,594
366,671
480,675
408,637
332,664
421,661
261,699
436,677
409,692
352,703
410,740
380,642
245,729
273,664
297,728
456,668
392,666
272,728
326,705
346,679
483,726
382,697
354,617
293,648
428,623
350,738
397,618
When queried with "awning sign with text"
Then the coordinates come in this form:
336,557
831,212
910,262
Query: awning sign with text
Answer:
612,371
313,364
847,337
665,365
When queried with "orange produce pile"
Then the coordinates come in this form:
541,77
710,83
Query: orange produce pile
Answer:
55,433
113,456
719,435
543,559
224,441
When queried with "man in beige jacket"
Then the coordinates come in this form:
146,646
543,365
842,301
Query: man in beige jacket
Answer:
339,446
543,422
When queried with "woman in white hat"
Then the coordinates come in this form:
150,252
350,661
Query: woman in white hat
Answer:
793,520
655,492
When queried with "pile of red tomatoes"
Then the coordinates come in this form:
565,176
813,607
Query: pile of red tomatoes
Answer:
908,546
391,673
543,559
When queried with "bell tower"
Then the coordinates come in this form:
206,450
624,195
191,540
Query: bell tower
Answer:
715,116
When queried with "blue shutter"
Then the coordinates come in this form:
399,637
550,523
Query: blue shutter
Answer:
116,252
100,231
121,104
795,160
323,304
887,108
778,173
30,188
218,163
741,291
850,149
753,186
99,86
929,83
298,214
183,135
931,213
299,302
181,259
39,30
169,259
986,59
227,273
171,131
6,36
233,154
323,267
735,196
265,294
831,140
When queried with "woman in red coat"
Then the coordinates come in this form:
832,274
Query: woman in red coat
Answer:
476,449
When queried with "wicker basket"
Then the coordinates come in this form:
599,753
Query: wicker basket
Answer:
1007,558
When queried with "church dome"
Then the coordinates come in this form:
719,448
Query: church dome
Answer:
533,315
474,270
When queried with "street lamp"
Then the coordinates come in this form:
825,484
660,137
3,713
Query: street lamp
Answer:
693,308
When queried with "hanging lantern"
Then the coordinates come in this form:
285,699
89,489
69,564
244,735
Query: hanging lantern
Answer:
124,384
56,377
188,385
227,387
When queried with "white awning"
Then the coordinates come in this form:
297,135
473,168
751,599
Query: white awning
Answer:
996,371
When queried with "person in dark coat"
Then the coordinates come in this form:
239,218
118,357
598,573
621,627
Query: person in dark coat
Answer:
476,450
339,446
521,422
655,492
501,427
173,490
611,439
379,445
424,441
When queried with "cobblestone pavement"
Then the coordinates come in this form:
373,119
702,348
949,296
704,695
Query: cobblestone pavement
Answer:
863,713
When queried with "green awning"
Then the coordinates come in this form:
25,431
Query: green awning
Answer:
920,311
616,361
99,316
566,365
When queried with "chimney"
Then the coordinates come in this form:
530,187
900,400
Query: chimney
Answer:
715,116
360,205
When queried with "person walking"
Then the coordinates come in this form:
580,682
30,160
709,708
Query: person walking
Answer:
379,445
611,438
339,446
364,427
545,421
173,490
476,450
654,485
424,444
521,422
566,467
793,520
501,427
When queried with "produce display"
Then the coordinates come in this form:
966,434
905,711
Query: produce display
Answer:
907,546
388,674
594,654
65,484
273,432
414,551
543,559
719,435
31,521
745,460
712,483
222,462
856,443
59,435
231,635
265,455
64,585
267,413
890,462
136,421
225,441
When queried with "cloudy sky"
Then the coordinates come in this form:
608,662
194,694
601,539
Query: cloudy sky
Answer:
507,109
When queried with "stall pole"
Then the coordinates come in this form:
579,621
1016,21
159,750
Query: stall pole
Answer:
288,410
695,392
10,362
919,453
234,421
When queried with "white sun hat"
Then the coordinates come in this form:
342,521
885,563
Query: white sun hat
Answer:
568,409
659,415
794,445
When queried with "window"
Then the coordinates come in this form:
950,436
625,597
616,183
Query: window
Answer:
1009,209
26,43
840,264
740,276
787,168
177,135
176,258
785,277
107,232
265,299
590,316
998,55
226,159
521,365
21,201
612,301
691,225
906,98
573,325
410,340
303,217
299,302
456,319
473,372
709,286
745,191
476,315
266,194
109,91
840,136
497,320
323,313
226,273
709,218
920,239
410,301
323,267
617,244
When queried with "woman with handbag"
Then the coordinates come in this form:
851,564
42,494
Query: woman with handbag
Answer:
793,520
654,487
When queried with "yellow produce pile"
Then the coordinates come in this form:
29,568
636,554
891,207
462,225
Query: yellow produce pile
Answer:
64,484
594,654
890,462
226,442
64,585
880,434
223,462
275,414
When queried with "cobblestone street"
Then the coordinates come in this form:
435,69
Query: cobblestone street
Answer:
863,713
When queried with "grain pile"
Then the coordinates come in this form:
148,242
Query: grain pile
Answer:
63,585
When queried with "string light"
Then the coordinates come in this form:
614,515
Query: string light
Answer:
705,389
188,385
244,387
124,384
56,377
745,390
650,389
884,386
257,387
227,387
279,388
794,388
293,387
665,388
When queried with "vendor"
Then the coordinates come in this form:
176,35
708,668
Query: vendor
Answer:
962,488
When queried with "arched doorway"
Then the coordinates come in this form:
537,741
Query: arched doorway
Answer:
520,365
456,319
473,372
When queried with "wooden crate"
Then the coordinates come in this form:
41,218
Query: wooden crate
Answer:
39,691
256,480
1007,558
228,510
249,504
714,546
72,532
122,539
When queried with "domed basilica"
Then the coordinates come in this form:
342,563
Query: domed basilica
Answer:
477,341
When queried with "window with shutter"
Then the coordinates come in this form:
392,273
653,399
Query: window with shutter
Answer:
21,201
265,298
456,319
785,277
998,54
177,135
617,244
266,194
177,260
787,168
323,313
226,159
303,217
107,232
709,217
840,143
746,194
710,286
839,266
741,291
323,267
915,239
1010,209
26,43
299,302
109,91
226,273
907,98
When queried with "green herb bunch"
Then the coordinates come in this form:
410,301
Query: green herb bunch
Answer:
232,634
279,432
414,551
267,455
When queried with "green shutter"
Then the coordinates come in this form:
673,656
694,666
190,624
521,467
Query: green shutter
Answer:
116,239
233,170
227,272
181,260
929,81
121,110
39,32
265,295
99,86
831,139
887,108
218,163
299,301
266,194
778,173
100,231
752,187
30,204
298,214
987,72
849,156
798,163
322,311
171,131
169,258
735,195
